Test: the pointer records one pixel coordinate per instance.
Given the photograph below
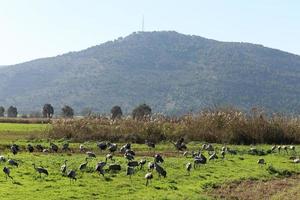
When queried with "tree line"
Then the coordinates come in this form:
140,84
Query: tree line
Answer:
47,111
138,113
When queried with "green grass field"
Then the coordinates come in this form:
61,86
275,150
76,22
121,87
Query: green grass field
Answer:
89,185
15,131
177,185
18,128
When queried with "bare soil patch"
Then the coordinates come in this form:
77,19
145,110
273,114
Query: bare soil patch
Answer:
281,188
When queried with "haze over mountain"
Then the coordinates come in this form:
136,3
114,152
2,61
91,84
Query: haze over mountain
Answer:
172,72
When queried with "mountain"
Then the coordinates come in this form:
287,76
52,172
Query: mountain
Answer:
172,72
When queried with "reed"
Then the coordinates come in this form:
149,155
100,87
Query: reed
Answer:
222,125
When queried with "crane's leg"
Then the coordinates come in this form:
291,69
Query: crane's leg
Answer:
147,182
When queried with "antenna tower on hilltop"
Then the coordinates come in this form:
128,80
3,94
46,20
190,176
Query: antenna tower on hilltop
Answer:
143,24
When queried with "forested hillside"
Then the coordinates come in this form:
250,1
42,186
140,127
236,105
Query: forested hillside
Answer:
172,72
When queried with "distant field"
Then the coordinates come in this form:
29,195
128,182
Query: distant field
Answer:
25,120
17,128
14,131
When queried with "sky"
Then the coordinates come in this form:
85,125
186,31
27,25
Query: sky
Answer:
33,29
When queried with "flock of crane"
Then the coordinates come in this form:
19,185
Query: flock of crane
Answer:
129,154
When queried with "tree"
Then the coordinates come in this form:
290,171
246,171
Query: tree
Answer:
2,110
116,112
141,111
67,111
48,111
12,112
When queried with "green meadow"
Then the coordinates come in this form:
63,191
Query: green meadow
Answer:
200,183
177,185
18,131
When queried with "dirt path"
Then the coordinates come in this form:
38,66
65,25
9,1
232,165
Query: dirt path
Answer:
284,188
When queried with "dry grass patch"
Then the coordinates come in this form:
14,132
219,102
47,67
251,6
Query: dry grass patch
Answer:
284,188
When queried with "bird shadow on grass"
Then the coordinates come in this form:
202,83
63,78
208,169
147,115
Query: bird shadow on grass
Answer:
17,183
48,186
108,179
201,176
41,179
173,181
173,187
50,180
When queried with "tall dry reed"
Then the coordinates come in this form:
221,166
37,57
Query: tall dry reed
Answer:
218,126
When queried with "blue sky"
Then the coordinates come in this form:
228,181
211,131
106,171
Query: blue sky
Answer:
41,28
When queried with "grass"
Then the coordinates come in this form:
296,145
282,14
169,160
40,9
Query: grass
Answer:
24,120
19,128
177,185
15,131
